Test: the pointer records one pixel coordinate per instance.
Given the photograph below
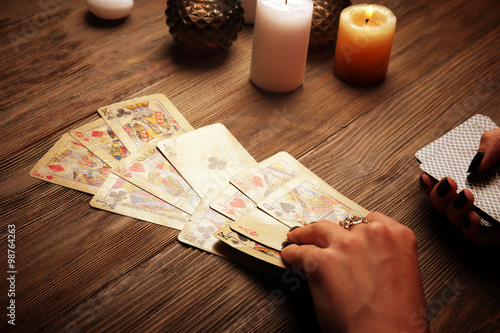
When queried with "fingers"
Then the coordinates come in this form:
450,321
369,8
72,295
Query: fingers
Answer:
304,257
320,233
427,183
443,193
473,231
488,152
458,208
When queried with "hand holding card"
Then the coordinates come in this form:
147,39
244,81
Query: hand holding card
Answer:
453,159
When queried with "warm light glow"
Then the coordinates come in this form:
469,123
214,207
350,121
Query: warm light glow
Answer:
369,11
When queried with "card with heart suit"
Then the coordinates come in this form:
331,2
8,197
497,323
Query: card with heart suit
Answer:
117,195
259,181
452,157
206,157
69,163
305,199
262,228
199,229
232,203
149,169
138,120
100,139
248,246
476,124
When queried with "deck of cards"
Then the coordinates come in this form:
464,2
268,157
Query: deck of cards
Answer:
144,160
450,156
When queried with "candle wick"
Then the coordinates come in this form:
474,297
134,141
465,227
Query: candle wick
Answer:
368,19
286,1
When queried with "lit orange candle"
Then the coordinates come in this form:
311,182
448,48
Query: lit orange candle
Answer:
364,44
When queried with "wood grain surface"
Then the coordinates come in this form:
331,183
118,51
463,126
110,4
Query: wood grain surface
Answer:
82,269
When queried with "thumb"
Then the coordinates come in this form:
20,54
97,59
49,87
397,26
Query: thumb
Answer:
488,152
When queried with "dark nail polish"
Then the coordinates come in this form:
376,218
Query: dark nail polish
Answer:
466,222
285,244
460,200
293,228
476,161
423,185
443,188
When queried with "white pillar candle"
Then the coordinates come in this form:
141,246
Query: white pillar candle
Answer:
280,42
110,9
249,8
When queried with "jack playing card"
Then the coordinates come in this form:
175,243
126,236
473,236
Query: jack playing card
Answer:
117,195
232,203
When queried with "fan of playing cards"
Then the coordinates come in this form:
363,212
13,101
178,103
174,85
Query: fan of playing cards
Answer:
144,160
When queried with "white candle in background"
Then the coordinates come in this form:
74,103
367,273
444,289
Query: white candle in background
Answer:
110,9
249,8
280,42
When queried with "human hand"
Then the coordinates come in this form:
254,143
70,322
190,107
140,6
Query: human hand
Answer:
457,207
365,279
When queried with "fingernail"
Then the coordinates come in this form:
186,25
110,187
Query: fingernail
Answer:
443,188
293,228
423,185
460,200
285,244
466,222
476,161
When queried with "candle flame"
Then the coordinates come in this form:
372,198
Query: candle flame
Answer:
369,11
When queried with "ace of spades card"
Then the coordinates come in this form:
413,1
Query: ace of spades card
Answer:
206,157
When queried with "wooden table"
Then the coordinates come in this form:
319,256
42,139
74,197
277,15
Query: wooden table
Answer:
82,269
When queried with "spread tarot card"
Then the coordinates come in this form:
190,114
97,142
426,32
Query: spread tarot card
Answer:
259,181
261,228
149,169
69,163
306,199
137,121
100,139
232,203
248,246
201,226
206,157
117,195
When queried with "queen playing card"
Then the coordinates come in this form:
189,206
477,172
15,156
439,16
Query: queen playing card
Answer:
69,163
100,139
